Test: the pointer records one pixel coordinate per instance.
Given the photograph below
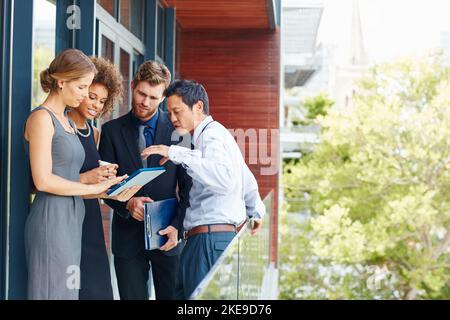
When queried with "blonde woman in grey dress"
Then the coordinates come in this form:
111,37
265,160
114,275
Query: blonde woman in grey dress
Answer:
53,227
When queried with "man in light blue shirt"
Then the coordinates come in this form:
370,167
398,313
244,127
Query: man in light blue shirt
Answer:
224,191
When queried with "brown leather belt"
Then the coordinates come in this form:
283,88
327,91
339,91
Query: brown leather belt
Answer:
213,228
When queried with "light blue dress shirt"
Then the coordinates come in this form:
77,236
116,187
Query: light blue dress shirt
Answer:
223,188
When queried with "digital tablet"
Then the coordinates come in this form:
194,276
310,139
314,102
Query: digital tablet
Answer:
139,178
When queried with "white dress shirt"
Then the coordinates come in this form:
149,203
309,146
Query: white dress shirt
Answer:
223,188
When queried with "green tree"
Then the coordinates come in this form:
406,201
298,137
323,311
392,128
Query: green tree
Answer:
378,186
43,56
317,105
313,107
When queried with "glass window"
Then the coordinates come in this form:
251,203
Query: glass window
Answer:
107,48
138,59
109,5
161,33
177,53
125,71
131,16
107,53
44,44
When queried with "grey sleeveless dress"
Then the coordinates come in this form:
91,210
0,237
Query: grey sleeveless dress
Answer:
54,226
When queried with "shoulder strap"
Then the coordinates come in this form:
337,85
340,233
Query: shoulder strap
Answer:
49,112
204,128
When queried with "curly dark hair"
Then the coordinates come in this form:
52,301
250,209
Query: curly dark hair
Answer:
109,76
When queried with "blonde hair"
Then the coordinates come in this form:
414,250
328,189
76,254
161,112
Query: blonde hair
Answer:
153,72
68,65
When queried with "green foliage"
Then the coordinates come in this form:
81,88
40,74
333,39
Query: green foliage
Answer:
379,185
42,58
317,106
314,108
304,275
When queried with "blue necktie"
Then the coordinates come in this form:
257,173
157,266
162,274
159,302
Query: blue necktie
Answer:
148,134
145,140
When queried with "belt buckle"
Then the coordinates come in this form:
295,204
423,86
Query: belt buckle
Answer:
185,235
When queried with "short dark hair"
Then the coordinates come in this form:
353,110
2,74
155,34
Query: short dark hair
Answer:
190,93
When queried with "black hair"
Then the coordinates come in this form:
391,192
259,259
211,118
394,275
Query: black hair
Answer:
190,93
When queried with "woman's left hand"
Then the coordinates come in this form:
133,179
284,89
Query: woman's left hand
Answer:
99,174
125,195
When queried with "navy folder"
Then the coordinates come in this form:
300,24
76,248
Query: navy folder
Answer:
158,216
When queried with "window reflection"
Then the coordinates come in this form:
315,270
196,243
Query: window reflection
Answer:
131,14
161,33
107,48
125,71
109,6
44,44
107,53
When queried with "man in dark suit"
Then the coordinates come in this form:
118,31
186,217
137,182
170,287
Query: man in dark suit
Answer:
121,142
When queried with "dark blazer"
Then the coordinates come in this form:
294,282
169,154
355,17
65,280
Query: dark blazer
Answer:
118,144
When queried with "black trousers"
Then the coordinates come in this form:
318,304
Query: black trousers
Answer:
132,275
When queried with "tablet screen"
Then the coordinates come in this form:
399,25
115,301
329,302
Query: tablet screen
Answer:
139,178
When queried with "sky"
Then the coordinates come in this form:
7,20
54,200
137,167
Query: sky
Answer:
391,28
44,11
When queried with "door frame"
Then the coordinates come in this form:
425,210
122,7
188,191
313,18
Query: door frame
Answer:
3,168
123,39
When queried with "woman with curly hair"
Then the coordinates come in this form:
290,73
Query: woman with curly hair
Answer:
106,89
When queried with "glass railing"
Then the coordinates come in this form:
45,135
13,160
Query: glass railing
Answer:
239,272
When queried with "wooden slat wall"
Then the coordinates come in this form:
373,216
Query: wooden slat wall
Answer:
221,14
240,71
